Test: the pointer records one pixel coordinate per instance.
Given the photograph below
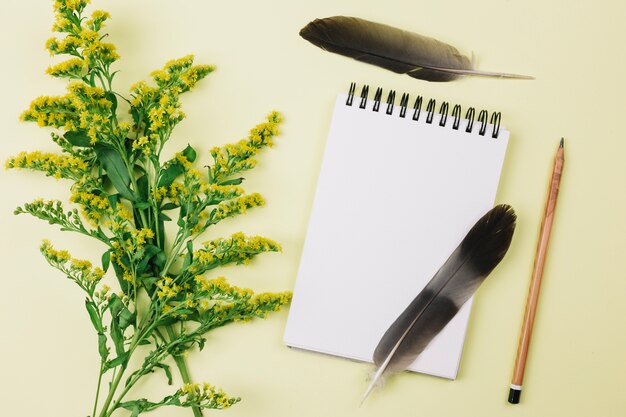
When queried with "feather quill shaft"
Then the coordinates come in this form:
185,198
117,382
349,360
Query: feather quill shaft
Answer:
477,255
395,49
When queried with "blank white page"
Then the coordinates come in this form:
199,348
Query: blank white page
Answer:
394,198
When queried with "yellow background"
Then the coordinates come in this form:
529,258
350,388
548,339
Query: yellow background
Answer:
575,49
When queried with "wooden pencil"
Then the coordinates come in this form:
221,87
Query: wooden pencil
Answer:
515,390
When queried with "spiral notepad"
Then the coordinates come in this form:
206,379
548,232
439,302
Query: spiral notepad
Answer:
398,190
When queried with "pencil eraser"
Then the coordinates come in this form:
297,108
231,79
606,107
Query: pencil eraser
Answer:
514,395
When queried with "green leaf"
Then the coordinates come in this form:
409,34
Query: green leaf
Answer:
126,318
189,153
161,229
94,316
201,343
109,95
159,260
116,169
234,181
169,174
189,256
144,188
136,407
142,205
168,206
120,313
78,138
102,346
165,217
120,360
100,233
115,305
106,260
119,273
175,169
117,336
167,371
135,114
113,200
149,252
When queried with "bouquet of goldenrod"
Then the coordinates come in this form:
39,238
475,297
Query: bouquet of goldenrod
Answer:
111,152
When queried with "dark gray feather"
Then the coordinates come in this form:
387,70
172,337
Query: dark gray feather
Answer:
471,262
397,50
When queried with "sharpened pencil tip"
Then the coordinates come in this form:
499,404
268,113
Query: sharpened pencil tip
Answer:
561,144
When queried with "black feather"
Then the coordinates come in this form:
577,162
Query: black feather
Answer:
391,48
478,254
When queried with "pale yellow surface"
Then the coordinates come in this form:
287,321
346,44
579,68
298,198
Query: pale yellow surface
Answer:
575,49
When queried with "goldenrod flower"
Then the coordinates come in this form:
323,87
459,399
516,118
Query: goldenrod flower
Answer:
128,196
72,68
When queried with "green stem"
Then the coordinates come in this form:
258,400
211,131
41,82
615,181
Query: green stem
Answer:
95,403
112,389
182,368
118,377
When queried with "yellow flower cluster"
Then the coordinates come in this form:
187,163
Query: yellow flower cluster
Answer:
225,302
236,206
181,73
78,269
160,106
239,153
143,94
239,242
233,158
96,208
68,45
146,144
167,288
206,396
96,202
177,192
95,51
160,193
97,20
262,304
222,192
140,236
183,161
83,107
262,134
58,256
93,108
83,42
59,166
52,111
221,286
239,249
200,225
103,294
72,68
65,6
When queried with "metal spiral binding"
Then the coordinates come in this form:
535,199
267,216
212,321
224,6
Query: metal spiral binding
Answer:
483,116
